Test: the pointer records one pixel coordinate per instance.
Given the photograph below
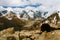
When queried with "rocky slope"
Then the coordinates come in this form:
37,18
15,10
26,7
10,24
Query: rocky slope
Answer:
20,29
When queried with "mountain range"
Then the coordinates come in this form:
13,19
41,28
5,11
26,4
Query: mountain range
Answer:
11,19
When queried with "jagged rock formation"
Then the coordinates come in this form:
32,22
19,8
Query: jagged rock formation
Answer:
54,18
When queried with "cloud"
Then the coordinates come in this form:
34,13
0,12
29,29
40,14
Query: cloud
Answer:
53,4
19,3
12,2
16,2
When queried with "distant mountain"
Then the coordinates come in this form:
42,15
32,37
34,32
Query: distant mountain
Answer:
31,11
4,11
26,13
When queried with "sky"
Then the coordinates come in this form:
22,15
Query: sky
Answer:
40,4
53,4
17,2
45,5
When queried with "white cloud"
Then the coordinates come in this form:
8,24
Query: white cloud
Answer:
13,2
47,3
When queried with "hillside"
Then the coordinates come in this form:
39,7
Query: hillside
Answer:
20,29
